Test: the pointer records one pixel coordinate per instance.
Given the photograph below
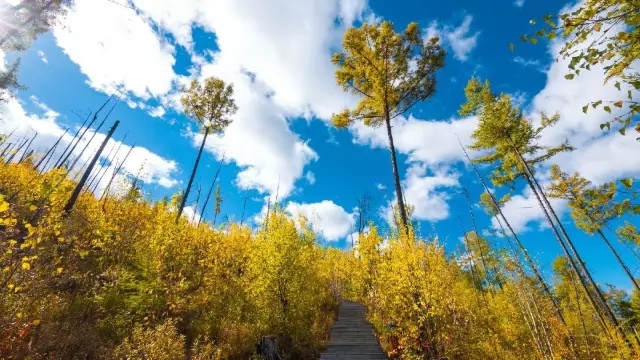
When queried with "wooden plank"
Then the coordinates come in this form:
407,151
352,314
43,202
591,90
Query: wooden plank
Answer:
352,336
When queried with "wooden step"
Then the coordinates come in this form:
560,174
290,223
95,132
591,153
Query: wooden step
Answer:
352,336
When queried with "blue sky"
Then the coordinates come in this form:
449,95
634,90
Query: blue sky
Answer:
277,54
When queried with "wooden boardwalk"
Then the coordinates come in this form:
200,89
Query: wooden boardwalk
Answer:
352,336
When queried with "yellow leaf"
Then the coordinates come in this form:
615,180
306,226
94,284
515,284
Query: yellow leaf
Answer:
33,208
597,26
4,206
26,266
59,270
36,322
11,286
618,104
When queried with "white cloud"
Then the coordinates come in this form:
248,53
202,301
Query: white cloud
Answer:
157,170
381,186
430,142
527,62
599,156
43,57
461,41
286,47
524,210
191,214
259,140
116,49
326,218
431,147
157,112
429,194
311,178
286,44
518,3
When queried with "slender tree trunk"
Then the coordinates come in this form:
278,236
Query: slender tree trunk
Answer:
17,150
95,117
193,175
541,195
75,161
567,253
213,183
26,150
78,189
244,207
5,150
6,138
580,267
479,244
73,140
524,251
113,176
624,266
396,176
477,282
51,149
93,184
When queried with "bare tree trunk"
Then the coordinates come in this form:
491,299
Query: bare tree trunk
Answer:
51,149
475,230
95,117
75,161
26,150
579,267
193,175
95,182
524,251
78,189
396,176
624,266
213,183
17,150
113,176
73,139
244,207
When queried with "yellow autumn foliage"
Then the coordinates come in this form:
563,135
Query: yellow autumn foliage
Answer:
121,277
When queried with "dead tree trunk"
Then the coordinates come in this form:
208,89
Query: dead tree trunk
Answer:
83,180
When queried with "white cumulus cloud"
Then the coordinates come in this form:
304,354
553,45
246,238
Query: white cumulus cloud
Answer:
460,39
329,220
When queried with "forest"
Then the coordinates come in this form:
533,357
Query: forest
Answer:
91,272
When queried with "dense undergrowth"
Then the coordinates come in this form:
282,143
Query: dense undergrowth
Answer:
120,279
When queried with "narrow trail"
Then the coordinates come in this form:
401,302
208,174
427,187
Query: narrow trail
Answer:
352,336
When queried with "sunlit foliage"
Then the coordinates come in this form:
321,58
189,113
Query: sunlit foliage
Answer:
123,278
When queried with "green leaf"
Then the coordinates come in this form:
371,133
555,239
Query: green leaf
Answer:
569,76
585,109
607,109
533,40
605,125
511,46
617,85
596,104
627,182
622,131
